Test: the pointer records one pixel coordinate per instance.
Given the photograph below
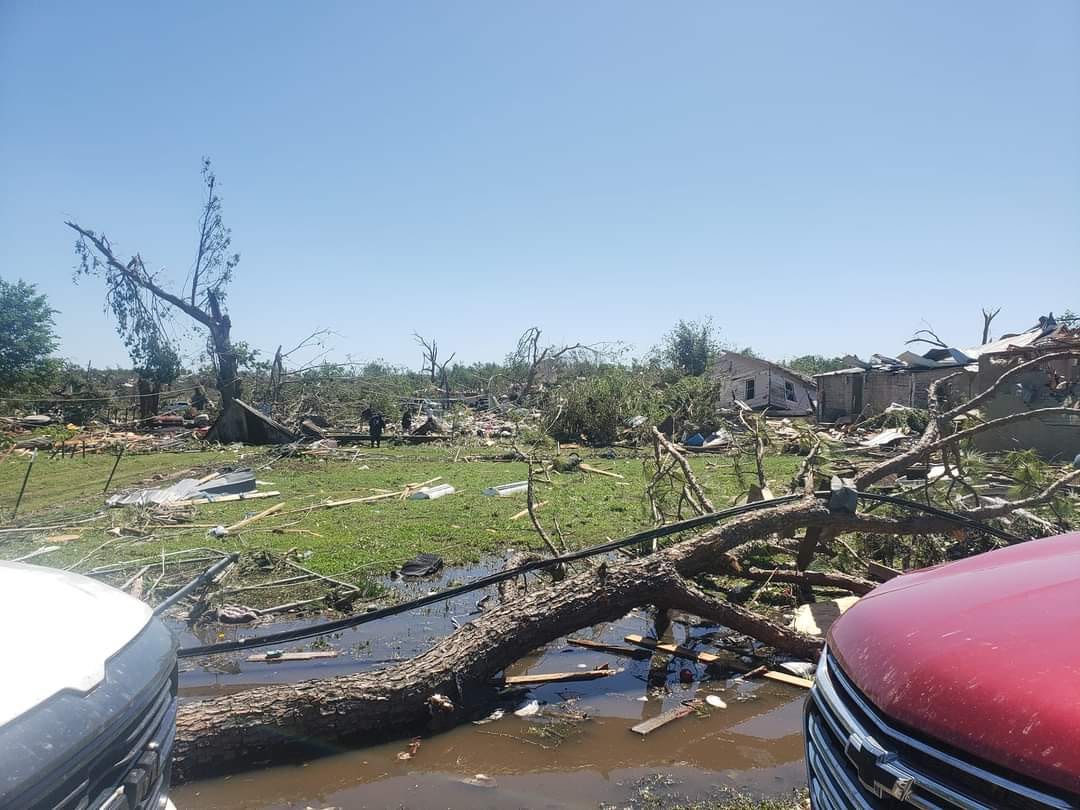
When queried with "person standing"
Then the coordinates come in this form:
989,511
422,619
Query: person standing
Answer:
375,428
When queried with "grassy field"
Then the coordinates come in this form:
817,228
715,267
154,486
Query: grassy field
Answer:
372,538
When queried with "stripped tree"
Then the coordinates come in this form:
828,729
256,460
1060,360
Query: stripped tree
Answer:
530,359
141,304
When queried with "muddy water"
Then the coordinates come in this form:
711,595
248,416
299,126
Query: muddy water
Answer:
550,760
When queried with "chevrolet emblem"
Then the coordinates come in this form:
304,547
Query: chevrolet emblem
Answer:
876,768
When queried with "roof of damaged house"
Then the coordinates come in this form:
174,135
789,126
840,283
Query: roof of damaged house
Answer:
1046,332
787,372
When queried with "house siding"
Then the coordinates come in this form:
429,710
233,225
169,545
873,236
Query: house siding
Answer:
1053,437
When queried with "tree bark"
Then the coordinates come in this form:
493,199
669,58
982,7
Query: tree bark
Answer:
228,377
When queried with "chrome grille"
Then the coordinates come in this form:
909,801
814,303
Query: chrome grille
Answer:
856,758
131,771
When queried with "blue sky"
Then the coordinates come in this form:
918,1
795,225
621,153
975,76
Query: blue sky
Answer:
816,177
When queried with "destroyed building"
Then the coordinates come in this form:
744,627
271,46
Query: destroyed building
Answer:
765,386
1055,384
865,389
869,388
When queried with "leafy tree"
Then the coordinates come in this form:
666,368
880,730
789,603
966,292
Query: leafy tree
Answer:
142,305
690,347
810,364
26,334
597,408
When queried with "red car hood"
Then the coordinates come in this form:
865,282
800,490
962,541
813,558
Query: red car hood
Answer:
983,653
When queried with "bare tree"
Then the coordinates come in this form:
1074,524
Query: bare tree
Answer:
987,318
431,355
927,336
532,358
141,304
432,365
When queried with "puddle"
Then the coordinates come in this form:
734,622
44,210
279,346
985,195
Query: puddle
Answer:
754,745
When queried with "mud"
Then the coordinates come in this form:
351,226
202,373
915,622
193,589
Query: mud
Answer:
553,759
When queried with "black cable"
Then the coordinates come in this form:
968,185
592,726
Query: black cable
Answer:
347,622
491,579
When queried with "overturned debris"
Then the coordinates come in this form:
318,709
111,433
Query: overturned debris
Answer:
242,423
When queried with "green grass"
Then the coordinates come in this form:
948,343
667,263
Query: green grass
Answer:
58,488
371,538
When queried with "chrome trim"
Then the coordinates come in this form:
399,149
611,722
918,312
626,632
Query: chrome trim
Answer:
841,753
943,757
828,701
834,771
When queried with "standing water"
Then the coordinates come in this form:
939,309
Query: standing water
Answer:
576,751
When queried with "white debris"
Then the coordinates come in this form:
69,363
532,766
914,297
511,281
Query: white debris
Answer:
498,714
528,709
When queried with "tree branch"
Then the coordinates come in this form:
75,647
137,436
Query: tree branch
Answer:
987,512
967,433
141,280
683,595
980,398
688,473
730,566
901,462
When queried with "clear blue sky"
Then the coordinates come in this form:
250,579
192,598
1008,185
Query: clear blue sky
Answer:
817,177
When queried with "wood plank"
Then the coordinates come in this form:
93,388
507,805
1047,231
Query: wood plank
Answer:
295,656
792,680
653,723
598,471
240,496
558,677
614,649
525,511
247,521
672,649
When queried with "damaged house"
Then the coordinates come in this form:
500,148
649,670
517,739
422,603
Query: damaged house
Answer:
868,388
765,386
1053,385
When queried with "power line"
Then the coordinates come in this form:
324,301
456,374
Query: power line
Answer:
347,622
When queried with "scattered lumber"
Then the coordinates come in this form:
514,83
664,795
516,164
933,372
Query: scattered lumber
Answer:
365,499
673,649
597,471
653,723
240,496
559,677
614,649
277,507
271,658
749,673
793,680
524,512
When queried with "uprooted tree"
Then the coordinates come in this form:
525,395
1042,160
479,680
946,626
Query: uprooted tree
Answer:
142,306
448,683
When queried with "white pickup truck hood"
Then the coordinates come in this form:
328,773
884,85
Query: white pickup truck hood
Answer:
58,629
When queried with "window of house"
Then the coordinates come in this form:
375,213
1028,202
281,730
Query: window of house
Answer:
790,388
749,390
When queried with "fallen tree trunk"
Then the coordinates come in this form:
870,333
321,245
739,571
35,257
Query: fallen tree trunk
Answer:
278,721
